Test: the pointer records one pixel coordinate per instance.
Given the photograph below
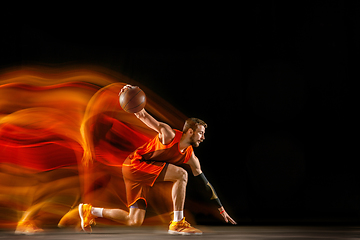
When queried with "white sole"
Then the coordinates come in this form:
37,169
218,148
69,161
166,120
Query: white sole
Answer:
182,233
81,216
24,233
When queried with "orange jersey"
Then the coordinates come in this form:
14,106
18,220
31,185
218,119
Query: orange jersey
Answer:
142,167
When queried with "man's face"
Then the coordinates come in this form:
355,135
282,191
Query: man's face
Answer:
198,136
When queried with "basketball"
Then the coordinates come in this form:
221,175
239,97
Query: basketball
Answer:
132,100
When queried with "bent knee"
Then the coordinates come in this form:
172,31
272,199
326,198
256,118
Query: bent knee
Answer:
135,223
183,175
176,174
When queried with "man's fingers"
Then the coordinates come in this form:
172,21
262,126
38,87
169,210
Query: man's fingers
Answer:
232,221
124,88
228,218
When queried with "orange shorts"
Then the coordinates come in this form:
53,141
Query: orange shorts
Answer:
139,176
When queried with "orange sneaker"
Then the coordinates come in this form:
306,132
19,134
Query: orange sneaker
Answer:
183,228
27,228
86,217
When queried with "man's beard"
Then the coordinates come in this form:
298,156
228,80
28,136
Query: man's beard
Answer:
193,142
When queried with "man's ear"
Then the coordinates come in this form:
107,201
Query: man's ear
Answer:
190,131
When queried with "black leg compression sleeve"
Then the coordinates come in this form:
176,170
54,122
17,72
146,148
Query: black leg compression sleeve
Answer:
214,198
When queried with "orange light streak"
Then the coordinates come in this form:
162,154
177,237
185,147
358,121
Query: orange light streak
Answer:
63,137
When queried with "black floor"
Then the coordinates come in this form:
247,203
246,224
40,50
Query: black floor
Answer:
209,232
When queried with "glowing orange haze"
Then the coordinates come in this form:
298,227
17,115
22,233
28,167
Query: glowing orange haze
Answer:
63,137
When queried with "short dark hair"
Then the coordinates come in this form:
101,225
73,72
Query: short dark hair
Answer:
193,123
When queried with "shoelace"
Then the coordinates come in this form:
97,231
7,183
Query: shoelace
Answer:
182,223
185,224
87,213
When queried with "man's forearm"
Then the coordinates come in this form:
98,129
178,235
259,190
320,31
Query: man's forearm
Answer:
148,120
214,198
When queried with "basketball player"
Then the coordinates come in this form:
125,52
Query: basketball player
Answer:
159,160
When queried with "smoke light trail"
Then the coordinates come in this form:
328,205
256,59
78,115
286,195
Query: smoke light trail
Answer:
63,137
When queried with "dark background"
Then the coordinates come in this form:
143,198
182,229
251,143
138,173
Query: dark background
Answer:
274,82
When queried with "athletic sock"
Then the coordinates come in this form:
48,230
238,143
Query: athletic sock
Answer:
97,212
178,216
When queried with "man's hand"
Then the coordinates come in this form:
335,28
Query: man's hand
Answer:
226,216
124,88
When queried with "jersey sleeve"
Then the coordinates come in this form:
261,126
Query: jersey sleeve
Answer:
188,154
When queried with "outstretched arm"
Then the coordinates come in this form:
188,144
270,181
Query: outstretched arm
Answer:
196,169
